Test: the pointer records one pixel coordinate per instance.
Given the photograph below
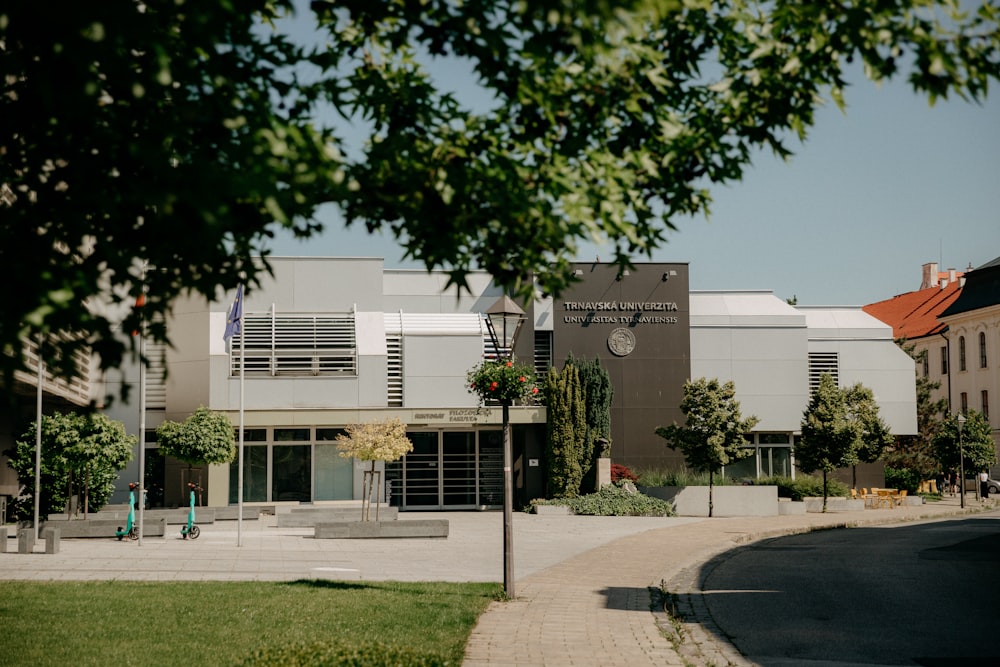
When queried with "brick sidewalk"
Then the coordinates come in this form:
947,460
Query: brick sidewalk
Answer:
594,608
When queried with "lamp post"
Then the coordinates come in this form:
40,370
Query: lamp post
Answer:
504,319
961,461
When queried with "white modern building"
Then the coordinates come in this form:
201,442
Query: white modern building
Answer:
330,342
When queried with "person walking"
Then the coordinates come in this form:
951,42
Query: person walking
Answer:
984,485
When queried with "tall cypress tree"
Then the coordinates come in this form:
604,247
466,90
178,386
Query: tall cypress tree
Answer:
566,423
597,394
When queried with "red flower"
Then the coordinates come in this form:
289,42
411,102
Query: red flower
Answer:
534,390
509,364
523,379
494,386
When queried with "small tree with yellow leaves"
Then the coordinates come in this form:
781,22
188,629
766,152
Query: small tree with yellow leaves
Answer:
374,441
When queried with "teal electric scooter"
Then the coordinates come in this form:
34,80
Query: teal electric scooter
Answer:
129,530
191,530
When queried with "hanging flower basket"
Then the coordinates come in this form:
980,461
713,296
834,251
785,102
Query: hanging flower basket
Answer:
500,381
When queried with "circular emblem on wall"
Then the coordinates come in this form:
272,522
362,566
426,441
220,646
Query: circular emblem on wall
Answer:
621,342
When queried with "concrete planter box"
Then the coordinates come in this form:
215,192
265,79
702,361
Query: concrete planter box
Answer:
837,504
553,510
787,507
309,517
151,527
381,529
726,500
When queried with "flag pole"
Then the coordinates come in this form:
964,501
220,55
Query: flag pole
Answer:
142,406
239,474
38,435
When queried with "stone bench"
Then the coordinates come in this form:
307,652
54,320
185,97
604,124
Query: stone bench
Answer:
381,529
309,517
151,527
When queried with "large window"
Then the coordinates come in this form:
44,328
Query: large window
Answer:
292,465
985,397
961,353
296,345
964,402
944,360
982,349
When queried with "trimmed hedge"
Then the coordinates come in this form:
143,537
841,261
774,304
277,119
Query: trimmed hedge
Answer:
804,486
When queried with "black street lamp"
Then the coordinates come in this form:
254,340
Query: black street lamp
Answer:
961,460
504,319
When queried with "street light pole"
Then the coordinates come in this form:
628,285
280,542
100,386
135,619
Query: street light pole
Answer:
504,319
961,461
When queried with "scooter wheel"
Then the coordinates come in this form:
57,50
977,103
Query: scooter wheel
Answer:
195,532
133,535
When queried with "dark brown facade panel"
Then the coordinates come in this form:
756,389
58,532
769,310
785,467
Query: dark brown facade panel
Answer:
637,323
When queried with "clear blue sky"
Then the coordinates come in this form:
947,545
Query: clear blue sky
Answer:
872,195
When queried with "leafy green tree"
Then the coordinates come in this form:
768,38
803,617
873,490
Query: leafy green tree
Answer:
977,443
205,437
141,131
81,457
873,435
917,452
829,434
714,431
566,431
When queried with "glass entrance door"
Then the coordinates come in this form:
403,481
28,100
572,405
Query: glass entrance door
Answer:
440,473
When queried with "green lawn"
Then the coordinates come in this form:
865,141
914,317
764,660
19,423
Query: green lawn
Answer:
223,623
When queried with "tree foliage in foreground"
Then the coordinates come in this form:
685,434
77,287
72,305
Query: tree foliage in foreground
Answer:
81,456
714,431
183,135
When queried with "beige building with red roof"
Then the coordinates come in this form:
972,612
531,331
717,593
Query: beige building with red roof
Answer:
953,320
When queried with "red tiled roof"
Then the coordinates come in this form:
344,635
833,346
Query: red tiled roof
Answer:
915,314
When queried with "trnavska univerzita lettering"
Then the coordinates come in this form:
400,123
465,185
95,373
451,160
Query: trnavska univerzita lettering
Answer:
635,310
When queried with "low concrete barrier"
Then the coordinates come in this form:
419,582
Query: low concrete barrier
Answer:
309,517
25,540
553,510
790,507
727,501
51,537
834,504
3,540
230,512
381,529
151,527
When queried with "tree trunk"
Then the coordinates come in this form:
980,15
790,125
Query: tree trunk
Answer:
711,486
824,490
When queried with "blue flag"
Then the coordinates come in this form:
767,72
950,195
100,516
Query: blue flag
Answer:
235,322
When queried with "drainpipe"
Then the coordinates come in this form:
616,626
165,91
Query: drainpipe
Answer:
948,348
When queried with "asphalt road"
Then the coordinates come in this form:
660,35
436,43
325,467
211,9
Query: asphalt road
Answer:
914,594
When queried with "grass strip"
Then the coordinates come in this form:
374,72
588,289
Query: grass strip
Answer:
220,623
